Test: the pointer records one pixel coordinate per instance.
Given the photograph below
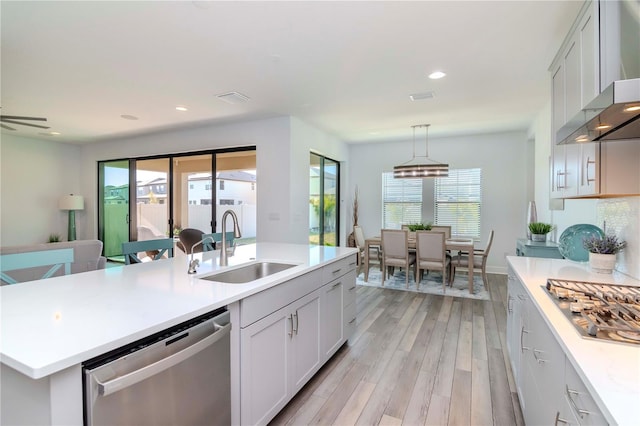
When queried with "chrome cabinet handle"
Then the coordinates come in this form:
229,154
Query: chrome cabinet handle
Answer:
522,332
291,328
296,329
521,297
509,308
587,170
352,288
559,420
575,408
535,355
336,284
352,321
336,271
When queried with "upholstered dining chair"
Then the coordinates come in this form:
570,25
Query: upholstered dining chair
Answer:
395,252
431,255
374,252
155,249
442,228
475,262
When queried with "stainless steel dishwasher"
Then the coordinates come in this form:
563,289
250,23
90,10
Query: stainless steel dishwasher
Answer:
180,376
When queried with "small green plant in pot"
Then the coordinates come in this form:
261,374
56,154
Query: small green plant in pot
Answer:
54,238
602,252
539,231
419,227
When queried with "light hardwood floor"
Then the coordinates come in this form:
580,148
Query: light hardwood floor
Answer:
416,359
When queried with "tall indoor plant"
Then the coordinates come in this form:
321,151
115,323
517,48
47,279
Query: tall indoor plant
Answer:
602,252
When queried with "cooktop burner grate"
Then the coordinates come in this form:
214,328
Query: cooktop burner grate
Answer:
601,311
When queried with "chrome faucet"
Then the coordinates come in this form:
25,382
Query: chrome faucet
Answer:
193,263
236,234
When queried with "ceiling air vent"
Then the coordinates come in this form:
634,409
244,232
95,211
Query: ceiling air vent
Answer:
233,98
421,96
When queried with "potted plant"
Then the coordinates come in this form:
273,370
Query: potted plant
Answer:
602,252
539,231
419,227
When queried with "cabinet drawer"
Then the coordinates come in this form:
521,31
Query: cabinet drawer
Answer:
262,304
338,268
349,287
349,320
582,405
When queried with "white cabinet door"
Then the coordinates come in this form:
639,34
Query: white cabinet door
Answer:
573,92
515,322
557,100
332,317
589,58
305,340
264,366
564,179
589,173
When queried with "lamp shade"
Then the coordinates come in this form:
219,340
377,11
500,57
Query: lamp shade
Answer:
71,202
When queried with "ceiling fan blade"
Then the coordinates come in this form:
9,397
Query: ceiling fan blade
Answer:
24,124
16,117
4,126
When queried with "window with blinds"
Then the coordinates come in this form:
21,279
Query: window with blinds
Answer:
458,201
401,201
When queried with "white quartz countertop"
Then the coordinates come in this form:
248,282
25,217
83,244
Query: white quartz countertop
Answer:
610,370
49,325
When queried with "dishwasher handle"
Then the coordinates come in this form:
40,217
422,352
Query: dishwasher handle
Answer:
134,377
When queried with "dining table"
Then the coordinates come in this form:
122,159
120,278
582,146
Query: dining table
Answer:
455,243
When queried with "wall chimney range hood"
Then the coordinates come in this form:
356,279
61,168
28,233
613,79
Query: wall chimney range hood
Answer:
612,115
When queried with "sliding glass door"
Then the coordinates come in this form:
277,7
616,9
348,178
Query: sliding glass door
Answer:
324,184
113,211
171,193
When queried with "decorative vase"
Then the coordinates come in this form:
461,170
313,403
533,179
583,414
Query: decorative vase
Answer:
532,216
541,238
602,263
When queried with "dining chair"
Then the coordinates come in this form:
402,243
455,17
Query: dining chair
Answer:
374,252
53,259
431,255
155,249
478,262
395,252
188,238
445,229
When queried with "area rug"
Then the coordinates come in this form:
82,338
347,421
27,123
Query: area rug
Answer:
431,283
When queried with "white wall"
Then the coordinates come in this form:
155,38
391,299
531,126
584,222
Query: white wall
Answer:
506,181
34,174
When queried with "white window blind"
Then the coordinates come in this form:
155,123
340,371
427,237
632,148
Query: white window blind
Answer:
401,201
458,201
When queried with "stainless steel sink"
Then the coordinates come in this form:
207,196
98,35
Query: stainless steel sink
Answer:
248,273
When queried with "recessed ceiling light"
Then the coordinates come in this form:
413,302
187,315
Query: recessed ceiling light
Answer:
632,108
129,117
420,96
50,133
582,138
54,133
181,108
603,126
436,75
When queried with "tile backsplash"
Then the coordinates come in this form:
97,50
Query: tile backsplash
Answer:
621,216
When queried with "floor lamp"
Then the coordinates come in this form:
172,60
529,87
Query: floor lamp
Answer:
71,203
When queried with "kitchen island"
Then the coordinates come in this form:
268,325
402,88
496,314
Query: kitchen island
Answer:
559,376
50,327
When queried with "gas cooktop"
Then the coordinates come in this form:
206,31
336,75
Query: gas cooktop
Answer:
599,311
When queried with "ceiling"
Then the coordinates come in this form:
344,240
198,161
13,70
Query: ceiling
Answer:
347,68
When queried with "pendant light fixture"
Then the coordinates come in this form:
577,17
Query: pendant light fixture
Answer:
421,166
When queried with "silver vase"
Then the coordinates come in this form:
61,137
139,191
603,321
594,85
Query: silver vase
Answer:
532,216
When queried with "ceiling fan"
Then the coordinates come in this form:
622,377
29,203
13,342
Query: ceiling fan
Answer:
15,119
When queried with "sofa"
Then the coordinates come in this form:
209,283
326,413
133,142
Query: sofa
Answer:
87,257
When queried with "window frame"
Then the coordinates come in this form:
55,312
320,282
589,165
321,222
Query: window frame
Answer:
467,191
411,190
